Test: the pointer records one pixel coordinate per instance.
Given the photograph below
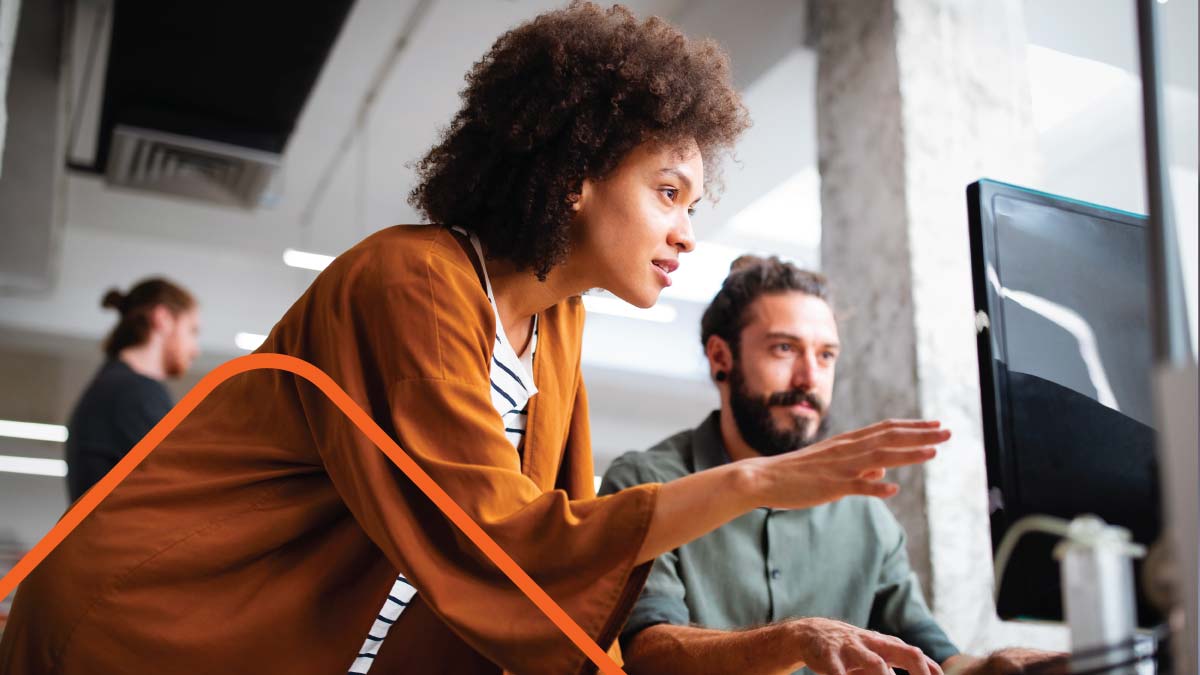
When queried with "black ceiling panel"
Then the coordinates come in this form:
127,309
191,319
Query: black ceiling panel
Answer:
238,72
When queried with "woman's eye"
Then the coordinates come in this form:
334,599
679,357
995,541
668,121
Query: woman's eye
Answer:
670,193
691,210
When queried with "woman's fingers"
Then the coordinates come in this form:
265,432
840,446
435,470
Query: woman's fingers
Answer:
889,424
872,474
870,488
894,440
888,458
839,447
905,438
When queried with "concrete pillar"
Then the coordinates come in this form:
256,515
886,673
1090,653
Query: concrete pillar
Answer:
32,187
916,99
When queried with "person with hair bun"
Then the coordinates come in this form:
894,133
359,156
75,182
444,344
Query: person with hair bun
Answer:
154,339
267,534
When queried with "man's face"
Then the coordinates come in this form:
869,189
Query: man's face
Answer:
781,382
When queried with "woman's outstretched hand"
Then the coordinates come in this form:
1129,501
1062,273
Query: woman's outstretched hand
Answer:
853,463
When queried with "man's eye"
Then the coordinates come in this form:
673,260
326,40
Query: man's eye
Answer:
782,347
670,193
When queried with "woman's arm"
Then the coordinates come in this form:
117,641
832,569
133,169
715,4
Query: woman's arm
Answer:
853,463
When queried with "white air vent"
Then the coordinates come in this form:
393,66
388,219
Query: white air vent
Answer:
217,172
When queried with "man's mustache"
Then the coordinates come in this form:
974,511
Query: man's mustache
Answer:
794,397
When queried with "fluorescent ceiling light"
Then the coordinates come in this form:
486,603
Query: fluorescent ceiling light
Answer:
248,341
600,304
33,466
33,431
306,260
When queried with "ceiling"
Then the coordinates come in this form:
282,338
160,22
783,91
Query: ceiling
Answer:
391,79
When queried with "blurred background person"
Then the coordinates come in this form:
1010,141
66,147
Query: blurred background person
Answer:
154,339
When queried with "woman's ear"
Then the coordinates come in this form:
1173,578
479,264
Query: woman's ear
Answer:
578,199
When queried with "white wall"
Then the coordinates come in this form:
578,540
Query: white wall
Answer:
1086,90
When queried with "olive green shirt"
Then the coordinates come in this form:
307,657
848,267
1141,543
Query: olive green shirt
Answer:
844,560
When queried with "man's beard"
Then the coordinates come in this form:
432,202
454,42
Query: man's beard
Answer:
173,364
757,426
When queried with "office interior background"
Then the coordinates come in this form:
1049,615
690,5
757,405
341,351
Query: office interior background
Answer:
1042,93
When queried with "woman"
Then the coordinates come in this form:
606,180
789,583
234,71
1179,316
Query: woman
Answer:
155,338
266,532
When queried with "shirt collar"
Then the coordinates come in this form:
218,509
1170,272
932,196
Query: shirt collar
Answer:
708,450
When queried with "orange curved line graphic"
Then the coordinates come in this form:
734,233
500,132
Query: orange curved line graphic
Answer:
342,400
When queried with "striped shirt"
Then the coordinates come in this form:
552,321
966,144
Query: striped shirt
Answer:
511,388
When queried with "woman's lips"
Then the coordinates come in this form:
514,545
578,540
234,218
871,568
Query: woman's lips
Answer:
664,269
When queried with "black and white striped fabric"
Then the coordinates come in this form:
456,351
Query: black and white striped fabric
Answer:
398,598
511,388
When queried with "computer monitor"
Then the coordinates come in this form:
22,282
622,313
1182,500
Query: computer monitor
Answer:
1065,365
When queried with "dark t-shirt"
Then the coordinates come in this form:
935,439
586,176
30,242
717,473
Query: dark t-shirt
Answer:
114,413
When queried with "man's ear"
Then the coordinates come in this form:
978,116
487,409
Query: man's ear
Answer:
720,356
161,319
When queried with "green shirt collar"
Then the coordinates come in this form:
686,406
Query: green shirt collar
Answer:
708,450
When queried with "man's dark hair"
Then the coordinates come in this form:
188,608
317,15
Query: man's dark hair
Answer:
562,98
751,277
135,307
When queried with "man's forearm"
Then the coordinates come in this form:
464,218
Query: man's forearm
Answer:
665,649
825,645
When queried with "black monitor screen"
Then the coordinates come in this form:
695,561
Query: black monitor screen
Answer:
1065,365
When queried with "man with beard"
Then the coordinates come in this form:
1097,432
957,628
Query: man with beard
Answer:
745,598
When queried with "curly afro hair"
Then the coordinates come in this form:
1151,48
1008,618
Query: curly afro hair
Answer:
562,98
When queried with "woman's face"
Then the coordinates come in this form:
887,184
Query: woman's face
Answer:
631,227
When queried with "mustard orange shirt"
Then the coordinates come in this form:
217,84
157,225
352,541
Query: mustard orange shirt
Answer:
266,486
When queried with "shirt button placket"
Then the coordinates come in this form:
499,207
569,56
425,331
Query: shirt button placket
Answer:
774,573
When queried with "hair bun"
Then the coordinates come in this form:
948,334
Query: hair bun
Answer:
114,299
744,262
